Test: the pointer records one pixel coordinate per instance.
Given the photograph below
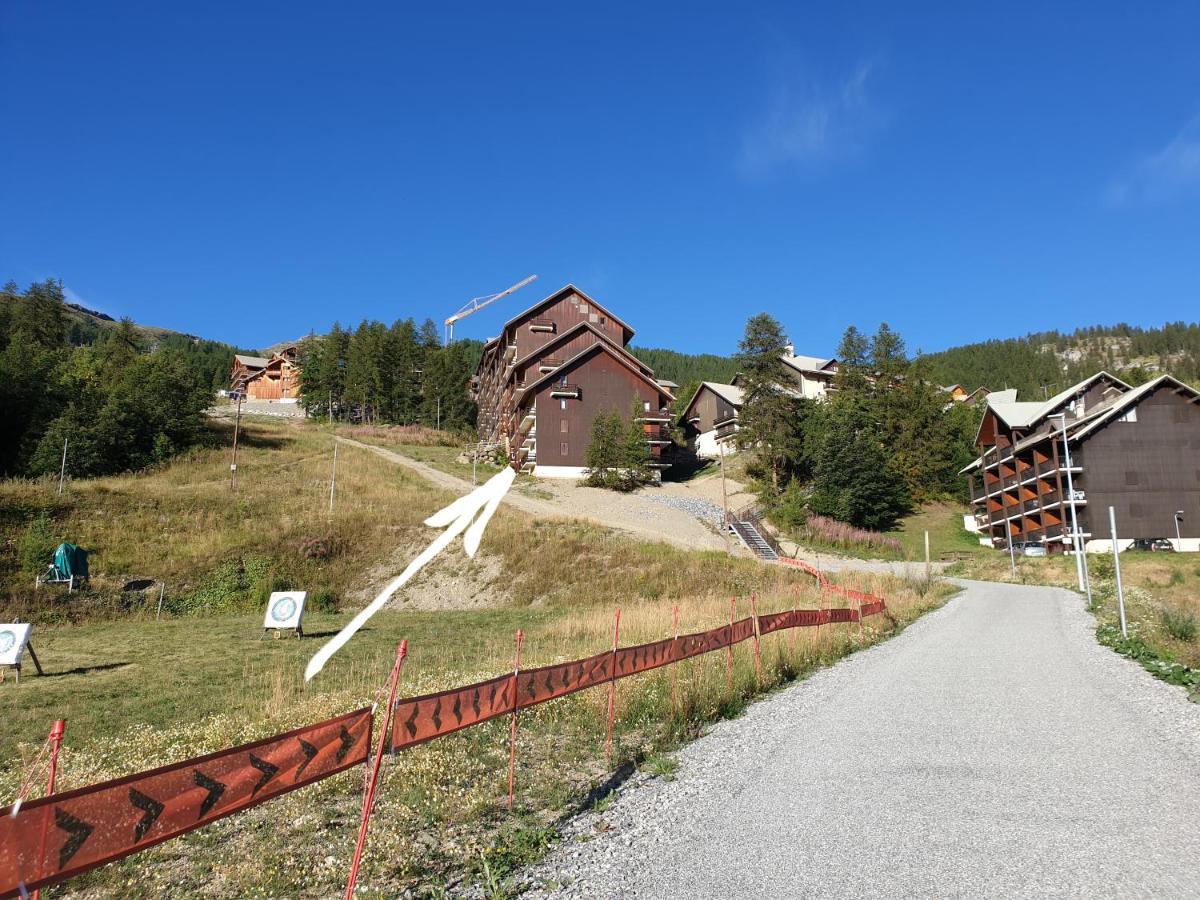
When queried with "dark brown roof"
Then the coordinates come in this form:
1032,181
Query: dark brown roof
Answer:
607,347
571,332
557,295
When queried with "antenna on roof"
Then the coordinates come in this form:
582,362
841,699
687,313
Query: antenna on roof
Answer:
475,304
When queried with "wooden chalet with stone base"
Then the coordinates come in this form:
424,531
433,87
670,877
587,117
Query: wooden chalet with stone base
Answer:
541,383
263,378
1135,449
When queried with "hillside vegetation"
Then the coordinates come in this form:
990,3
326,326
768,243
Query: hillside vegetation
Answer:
115,404
138,692
1045,362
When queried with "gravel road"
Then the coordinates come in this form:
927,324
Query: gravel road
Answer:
992,749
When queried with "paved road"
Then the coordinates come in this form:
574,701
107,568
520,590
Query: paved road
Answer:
992,749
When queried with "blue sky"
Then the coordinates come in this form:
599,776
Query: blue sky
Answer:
250,171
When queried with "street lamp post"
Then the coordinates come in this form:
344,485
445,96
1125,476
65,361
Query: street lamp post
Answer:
1077,538
1178,539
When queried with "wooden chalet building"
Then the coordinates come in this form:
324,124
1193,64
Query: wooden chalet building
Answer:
542,381
710,417
263,378
1135,449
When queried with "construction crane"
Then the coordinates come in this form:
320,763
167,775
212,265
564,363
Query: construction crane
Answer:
477,303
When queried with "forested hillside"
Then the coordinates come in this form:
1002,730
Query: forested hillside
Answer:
118,404
1047,361
685,368
380,374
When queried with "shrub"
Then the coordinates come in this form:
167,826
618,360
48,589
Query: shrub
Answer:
236,585
322,547
323,601
845,537
37,544
1180,625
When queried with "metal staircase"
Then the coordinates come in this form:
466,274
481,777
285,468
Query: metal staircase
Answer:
753,539
746,523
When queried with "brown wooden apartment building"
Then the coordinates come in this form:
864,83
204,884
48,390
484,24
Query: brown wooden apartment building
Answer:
554,367
263,378
1135,449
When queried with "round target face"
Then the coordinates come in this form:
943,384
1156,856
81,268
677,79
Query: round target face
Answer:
8,640
283,609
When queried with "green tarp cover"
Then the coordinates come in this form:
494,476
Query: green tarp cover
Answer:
70,561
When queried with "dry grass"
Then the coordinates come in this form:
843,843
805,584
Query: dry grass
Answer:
137,693
442,803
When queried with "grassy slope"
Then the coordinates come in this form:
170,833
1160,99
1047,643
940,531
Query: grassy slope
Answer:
138,693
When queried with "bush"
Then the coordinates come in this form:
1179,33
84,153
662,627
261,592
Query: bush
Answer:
323,601
1180,625
237,585
37,544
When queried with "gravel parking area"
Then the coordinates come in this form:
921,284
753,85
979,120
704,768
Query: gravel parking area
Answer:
992,749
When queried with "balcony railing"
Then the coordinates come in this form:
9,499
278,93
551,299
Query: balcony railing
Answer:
544,325
549,364
566,390
649,415
727,430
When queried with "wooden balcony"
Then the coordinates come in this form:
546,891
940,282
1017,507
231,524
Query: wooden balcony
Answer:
649,415
545,326
549,364
729,429
566,391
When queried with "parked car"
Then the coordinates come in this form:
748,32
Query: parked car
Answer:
1030,548
1156,545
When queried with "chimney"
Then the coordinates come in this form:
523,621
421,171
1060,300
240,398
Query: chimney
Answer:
789,348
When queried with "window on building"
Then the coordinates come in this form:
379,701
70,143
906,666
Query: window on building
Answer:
563,449
562,404
646,405
1130,415
562,425
1131,478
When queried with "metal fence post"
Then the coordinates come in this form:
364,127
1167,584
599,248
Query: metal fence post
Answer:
1112,525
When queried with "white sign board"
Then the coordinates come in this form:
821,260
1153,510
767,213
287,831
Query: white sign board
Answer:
13,639
285,609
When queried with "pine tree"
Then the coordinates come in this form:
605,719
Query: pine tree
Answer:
604,454
769,418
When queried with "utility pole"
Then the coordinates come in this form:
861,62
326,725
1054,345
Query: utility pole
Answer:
1076,537
1178,539
333,481
63,473
724,495
1012,553
237,424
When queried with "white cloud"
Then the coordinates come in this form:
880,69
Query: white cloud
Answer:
807,125
1163,176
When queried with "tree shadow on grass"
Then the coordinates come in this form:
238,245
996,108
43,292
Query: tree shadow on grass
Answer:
87,670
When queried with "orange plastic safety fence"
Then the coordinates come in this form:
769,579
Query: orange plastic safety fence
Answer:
54,838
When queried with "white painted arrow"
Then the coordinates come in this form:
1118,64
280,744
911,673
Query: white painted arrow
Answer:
457,516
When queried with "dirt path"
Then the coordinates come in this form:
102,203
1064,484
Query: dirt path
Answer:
639,515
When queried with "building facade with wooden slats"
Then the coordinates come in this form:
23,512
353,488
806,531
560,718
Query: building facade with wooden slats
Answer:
267,378
1134,449
710,419
552,369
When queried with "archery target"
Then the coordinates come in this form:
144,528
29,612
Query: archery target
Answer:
285,609
13,639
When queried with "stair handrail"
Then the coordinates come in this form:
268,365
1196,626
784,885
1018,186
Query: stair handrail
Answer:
751,514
